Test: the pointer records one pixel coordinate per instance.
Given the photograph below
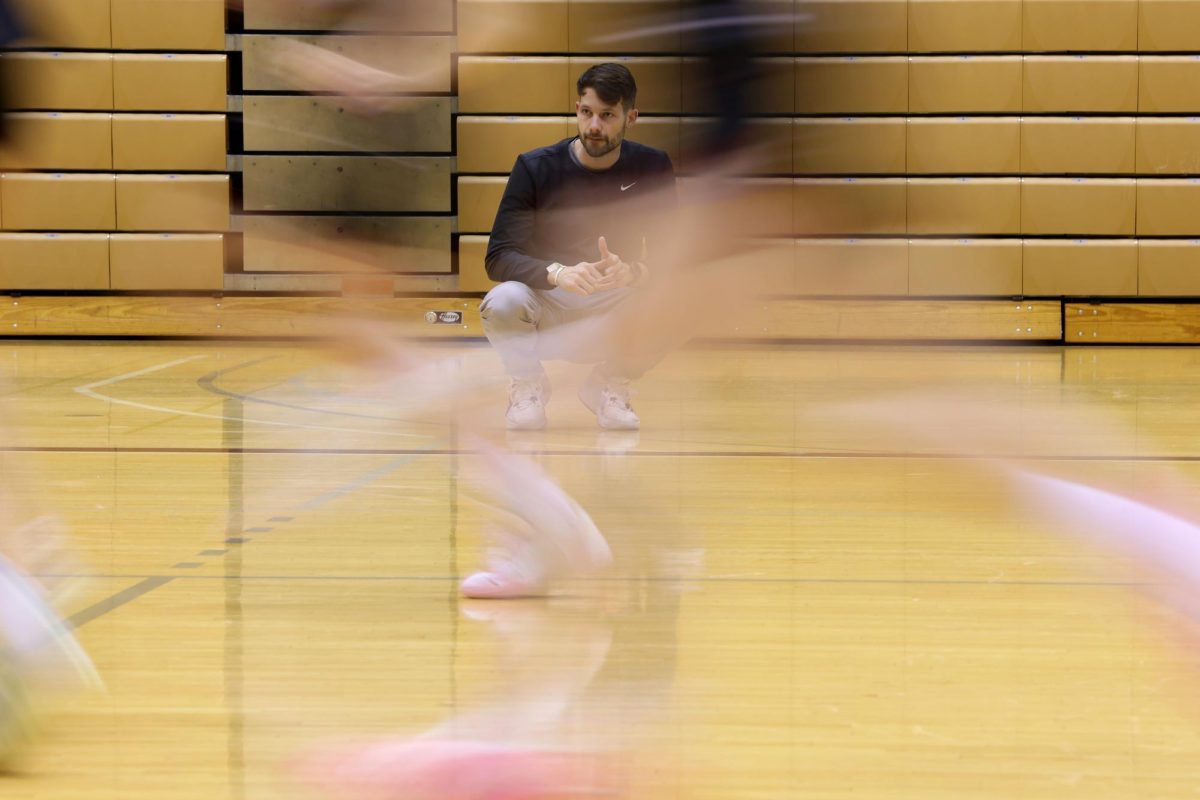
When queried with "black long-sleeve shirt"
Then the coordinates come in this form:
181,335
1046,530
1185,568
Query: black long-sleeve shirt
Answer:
555,210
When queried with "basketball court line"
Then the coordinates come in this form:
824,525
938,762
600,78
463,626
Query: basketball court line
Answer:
113,602
89,390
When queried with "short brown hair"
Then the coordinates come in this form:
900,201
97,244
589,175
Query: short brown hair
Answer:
613,83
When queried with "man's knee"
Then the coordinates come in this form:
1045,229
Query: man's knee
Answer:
510,303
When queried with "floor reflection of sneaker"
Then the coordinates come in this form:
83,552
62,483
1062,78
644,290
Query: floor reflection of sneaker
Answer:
432,769
609,399
527,399
617,442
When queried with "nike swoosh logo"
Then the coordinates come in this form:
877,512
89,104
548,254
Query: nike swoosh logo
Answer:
630,186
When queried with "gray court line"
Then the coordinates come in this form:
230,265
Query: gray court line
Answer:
81,618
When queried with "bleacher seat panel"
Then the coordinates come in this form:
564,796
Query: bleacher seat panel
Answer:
172,203
1168,267
346,244
411,16
1168,25
62,81
54,261
850,145
965,84
1167,207
169,142
478,200
664,133
58,141
1079,25
168,24
166,262
1081,267
346,184
852,85
850,206
851,26
1080,84
38,201
963,145
75,24
1078,206
773,26
295,124
169,82
1169,84
964,206
1078,145
515,85
771,88
624,26
472,272
965,267
852,267
746,207
513,26
765,267
425,60
964,26
492,144
769,140
1168,146
774,139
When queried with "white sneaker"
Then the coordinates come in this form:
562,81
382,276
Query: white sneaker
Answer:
542,534
608,399
527,404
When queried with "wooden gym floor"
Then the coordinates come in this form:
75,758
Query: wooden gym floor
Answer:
268,540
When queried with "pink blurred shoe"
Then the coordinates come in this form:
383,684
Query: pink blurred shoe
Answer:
499,586
454,770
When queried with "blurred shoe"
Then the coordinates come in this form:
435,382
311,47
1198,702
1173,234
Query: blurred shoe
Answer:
527,403
541,534
608,399
507,578
433,769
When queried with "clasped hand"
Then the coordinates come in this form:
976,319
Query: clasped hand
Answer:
589,277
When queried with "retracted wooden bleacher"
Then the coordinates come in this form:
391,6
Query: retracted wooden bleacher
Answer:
115,178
